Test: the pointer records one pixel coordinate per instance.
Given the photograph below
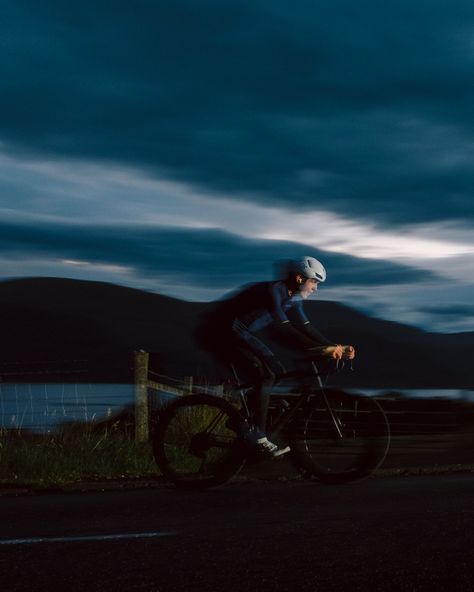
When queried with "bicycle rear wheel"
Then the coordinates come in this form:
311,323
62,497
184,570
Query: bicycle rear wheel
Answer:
342,440
196,442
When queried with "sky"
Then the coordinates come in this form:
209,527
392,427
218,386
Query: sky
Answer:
183,147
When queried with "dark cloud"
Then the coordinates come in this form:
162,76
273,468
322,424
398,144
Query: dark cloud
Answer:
204,258
359,107
452,310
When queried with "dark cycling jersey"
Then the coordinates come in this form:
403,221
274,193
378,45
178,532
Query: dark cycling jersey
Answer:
256,307
265,303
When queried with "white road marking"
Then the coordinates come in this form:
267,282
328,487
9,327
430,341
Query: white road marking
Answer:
74,539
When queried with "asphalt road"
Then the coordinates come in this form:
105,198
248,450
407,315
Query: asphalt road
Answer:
406,533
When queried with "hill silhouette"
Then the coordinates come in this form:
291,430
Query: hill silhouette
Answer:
100,324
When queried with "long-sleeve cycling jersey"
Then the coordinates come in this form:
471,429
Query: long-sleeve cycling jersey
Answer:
261,305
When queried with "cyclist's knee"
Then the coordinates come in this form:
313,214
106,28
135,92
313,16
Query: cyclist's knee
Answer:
267,379
264,374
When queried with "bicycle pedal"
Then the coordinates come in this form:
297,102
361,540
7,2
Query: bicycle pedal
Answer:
281,452
272,455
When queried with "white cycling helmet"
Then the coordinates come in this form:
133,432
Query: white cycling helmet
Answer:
310,268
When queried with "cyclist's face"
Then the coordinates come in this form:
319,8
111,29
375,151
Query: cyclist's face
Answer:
308,287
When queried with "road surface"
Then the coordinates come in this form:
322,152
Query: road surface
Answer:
406,533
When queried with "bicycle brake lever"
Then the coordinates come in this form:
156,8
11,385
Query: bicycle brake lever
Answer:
351,367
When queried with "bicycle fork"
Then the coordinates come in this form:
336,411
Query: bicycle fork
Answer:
287,416
335,419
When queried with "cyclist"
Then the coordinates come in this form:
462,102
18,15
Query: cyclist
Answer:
230,333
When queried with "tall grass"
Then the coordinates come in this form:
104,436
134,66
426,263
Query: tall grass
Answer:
91,452
72,455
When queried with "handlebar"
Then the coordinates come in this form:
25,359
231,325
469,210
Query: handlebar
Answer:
320,352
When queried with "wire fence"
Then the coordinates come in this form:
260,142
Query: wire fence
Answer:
42,404
41,395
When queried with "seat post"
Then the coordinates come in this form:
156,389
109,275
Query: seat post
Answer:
242,397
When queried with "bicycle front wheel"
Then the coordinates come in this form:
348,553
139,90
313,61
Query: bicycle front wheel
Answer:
196,442
339,437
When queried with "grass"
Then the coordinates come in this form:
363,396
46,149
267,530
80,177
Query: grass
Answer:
95,452
72,455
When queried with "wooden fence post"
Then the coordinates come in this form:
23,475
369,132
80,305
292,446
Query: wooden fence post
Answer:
141,395
188,385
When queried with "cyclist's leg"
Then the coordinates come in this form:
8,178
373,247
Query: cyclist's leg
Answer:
258,399
263,378
252,359
249,359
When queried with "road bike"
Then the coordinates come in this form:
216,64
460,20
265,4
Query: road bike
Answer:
199,440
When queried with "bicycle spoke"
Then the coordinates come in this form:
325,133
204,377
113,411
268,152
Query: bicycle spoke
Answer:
194,447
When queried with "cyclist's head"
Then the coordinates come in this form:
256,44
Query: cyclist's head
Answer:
309,268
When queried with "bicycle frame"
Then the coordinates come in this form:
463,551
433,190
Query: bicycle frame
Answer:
287,415
333,437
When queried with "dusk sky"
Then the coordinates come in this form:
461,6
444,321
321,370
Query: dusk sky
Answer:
182,147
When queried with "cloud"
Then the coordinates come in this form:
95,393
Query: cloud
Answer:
187,145
197,257
200,264
364,111
432,305
65,191
453,310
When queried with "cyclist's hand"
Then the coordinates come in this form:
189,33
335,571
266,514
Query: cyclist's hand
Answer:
334,351
349,352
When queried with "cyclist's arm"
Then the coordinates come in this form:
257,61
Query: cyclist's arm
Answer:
284,328
302,341
308,329
306,337
297,338
322,345
315,335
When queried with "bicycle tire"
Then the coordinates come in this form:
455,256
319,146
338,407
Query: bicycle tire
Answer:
196,441
320,452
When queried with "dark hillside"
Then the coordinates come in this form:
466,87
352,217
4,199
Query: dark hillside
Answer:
57,319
